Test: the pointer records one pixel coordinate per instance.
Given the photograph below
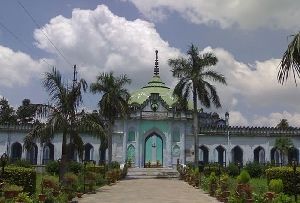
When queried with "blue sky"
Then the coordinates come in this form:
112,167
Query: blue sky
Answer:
248,37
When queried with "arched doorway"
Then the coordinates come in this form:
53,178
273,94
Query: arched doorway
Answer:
131,154
237,155
203,154
16,151
259,155
31,155
88,152
293,155
154,149
221,155
48,153
275,156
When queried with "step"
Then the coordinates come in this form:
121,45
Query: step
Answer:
146,173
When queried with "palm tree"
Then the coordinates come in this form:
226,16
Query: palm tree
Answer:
62,117
194,74
114,101
283,144
290,60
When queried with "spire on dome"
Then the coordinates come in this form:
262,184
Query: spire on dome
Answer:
156,69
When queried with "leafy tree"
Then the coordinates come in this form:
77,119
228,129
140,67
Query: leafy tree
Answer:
194,74
114,101
7,113
62,117
26,112
290,60
283,124
283,144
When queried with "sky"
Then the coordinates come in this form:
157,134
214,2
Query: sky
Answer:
248,38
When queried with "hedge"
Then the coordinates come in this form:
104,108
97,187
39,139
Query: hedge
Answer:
25,177
286,174
209,169
96,169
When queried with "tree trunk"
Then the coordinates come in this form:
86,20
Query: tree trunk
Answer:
195,128
109,141
64,158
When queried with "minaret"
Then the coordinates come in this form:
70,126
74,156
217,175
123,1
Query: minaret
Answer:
156,69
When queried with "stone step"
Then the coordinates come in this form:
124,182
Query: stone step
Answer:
145,173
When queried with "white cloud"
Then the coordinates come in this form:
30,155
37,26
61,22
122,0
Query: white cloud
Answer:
227,13
237,119
97,41
17,68
274,118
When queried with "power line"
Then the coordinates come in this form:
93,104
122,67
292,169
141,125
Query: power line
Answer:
19,40
44,33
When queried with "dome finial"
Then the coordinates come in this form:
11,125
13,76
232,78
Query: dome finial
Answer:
156,69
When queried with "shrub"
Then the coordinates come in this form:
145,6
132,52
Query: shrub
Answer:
22,163
50,182
114,165
52,167
207,170
9,187
255,169
96,169
286,174
244,177
75,167
25,177
212,183
23,197
276,185
232,170
282,198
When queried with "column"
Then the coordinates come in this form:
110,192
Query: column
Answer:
125,129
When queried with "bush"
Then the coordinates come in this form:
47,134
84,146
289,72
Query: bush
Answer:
96,169
23,197
244,177
22,163
114,165
207,170
50,182
286,174
255,169
232,170
75,167
25,177
52,167
276,185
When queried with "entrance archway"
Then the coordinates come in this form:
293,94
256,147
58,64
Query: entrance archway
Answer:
154,149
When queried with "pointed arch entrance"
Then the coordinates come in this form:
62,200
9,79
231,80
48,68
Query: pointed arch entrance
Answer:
153,152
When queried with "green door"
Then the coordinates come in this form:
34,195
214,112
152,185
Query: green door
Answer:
154,149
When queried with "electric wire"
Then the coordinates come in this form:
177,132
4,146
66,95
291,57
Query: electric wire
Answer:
5,28
44,33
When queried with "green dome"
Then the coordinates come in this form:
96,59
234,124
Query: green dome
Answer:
156,85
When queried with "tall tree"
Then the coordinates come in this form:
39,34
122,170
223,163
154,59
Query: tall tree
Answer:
26,112
290,60
195,74
283,144
7,113
114,100
283,124
62,117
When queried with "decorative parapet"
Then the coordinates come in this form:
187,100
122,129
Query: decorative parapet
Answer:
250,131
10,127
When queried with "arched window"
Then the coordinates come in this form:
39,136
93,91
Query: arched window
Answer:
203,154
48,153
131,135
176,151
221,155
293,155
31,155
88,152
176,135
131,153
237,155
16,151
275,156
259,155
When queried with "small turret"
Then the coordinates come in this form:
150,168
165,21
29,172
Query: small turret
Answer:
227,119
156,69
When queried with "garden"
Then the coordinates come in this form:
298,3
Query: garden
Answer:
21,183
252,183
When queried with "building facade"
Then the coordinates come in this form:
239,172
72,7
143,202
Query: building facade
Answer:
159,132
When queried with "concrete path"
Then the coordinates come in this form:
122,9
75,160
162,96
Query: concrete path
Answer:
148,190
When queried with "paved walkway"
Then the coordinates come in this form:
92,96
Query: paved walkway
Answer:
148,190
